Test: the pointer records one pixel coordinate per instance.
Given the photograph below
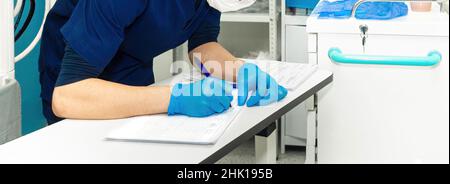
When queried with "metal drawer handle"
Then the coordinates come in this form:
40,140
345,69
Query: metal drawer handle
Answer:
432,59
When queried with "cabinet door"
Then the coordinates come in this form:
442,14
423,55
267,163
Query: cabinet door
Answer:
296,122
384,114
296,44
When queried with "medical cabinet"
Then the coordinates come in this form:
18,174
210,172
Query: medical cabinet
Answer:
389,102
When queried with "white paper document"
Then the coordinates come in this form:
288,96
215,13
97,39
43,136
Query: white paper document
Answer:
176,129
288,75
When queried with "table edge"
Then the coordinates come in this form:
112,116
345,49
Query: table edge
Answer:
222,152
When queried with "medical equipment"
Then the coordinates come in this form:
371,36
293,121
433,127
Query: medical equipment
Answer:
8,60
7,37
389,101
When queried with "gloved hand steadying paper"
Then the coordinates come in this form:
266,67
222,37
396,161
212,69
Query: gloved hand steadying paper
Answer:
264,88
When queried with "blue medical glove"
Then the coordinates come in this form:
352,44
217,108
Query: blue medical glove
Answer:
265,90
201,99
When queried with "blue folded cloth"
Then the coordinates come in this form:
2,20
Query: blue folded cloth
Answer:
381,10
368,10
336,9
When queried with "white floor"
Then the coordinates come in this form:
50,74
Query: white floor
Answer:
245,154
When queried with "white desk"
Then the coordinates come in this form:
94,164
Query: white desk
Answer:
83,142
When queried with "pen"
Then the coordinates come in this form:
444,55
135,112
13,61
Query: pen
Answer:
207,74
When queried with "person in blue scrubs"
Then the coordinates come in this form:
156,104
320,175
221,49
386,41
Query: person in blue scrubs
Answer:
96,60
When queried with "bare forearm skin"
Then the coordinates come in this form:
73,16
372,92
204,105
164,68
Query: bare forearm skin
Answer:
99,99
229,64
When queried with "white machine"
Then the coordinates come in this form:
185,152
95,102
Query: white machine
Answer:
7,14
9,123
389,102
6,40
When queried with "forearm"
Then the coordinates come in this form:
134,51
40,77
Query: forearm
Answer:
99,99
217,61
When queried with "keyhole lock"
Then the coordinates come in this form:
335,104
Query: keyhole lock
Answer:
364,35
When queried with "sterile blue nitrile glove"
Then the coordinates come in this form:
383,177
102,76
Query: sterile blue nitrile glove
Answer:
201,99
264,88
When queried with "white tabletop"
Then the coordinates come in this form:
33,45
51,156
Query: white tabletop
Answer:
83,142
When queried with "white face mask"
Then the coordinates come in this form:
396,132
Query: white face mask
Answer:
230,5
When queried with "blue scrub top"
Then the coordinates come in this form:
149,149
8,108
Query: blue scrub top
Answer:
120,38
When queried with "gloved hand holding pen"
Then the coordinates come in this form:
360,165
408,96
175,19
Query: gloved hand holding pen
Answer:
201,99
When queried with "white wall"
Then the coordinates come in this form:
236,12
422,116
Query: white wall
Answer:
242,38
446,6
162,65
